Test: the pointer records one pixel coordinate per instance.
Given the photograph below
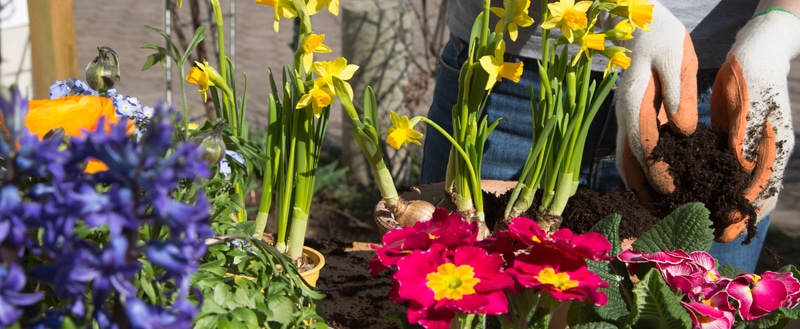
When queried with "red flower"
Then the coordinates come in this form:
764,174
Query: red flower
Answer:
591,245
440,282
757,296
449,230
559,274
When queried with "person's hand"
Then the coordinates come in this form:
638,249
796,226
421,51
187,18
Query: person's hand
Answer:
750,102
659,88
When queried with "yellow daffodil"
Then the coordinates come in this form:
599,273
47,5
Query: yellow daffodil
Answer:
283,9
312,43
320,96
498,69
206,76
639,12
616,58
516,16
589,41
76,115
402,132
567,15
622,31
314,6
339,68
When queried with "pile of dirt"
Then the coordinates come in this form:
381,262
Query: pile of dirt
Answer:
704,171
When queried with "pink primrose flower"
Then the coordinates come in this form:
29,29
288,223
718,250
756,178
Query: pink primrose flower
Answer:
450,230
707,316
692,274
757,296
559,274
440,282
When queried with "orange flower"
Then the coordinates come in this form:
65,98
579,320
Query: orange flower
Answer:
75,114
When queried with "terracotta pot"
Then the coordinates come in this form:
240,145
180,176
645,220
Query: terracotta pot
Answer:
433,193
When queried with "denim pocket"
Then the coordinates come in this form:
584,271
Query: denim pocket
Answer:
454,55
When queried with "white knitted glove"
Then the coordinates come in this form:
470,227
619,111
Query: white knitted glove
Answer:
659,88
750,102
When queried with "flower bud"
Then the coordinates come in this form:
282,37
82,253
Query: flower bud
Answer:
212,143
102,73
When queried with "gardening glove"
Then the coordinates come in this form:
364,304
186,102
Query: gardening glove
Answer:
659,88
750,102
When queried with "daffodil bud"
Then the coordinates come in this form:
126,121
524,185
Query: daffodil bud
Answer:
102,73
212,143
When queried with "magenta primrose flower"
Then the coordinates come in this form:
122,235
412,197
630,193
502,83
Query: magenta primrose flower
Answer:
692,274
714,313
449,230
440,282
758,295
559,274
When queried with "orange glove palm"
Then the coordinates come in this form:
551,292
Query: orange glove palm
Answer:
659,88
750,102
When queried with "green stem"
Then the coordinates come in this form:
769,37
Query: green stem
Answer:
184,102
458,148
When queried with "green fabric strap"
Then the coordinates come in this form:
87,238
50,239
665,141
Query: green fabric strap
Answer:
768,10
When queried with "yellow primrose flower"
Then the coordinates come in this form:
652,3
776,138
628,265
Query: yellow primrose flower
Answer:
205,76
516,16
312,43
314,6
339,68
639,12
596,41
283,9
616,58
498,69
567,15
622,31
402,132
320,97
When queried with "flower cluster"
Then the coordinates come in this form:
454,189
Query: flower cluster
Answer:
124,106
713,300
81,239
442,269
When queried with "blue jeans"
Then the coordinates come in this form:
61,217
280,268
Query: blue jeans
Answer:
507,147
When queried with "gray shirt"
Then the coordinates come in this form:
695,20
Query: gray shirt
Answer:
712,25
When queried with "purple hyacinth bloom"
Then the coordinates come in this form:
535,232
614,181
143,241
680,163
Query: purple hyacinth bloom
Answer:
60,89
12,214
12,280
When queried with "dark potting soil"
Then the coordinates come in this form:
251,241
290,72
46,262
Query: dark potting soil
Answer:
704,171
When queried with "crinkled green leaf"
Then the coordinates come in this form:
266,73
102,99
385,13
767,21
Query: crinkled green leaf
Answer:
595,325
687,228
656,306
609,227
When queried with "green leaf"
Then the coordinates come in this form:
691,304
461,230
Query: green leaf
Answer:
241,298
199,35
656,306
247,316
208,321
595,325
146,285
615,308
609,227
221,294
282,308
729,271
223,322
687,228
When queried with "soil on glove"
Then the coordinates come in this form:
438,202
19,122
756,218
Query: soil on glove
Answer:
704,171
